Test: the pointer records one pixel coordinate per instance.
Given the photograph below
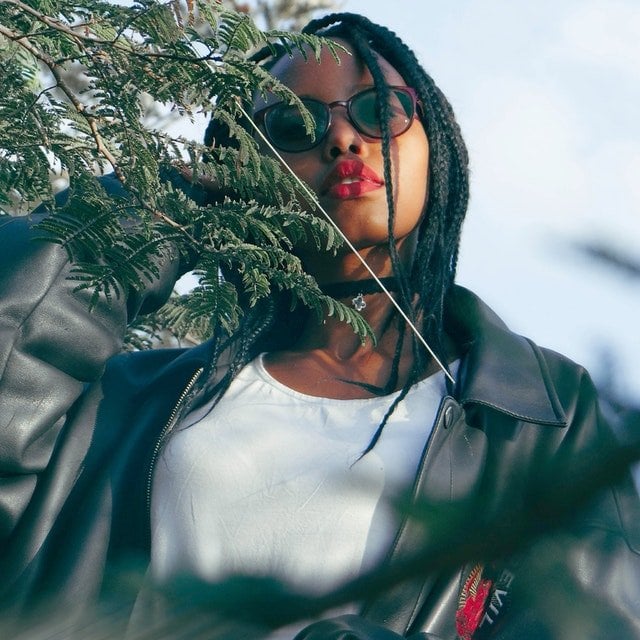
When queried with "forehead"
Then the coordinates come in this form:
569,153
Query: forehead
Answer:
327,78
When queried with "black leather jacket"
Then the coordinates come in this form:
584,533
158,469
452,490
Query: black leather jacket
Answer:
79,440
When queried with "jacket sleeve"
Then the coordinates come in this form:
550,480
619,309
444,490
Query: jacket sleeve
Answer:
585,576
51,345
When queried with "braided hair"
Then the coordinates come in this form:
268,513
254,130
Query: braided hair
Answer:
434,265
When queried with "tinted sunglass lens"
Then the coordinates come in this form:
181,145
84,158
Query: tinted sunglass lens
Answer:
364,111
402,110
286,129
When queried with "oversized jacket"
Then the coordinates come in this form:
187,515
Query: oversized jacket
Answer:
81,426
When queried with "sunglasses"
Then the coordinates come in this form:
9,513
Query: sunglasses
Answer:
285,128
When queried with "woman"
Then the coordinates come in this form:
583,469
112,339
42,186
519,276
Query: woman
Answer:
276,453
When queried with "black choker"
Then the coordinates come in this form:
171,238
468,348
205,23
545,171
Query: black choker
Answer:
358,289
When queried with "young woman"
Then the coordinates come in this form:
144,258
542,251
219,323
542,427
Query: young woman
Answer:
279,452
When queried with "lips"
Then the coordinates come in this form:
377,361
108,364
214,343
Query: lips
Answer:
350,179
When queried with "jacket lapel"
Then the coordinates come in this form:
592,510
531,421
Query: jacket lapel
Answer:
500,369
452,463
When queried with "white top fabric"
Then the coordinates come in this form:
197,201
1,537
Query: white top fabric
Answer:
269,483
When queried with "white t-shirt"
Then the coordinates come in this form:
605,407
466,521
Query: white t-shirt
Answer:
270,483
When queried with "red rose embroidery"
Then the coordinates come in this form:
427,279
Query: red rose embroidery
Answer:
473,599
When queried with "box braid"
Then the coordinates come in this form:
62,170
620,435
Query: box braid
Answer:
433,270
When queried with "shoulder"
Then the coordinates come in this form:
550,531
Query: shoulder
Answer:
508,372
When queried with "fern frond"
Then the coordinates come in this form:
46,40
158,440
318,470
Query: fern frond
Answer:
238,33
212,305
78,85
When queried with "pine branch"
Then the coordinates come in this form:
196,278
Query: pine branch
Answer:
81,108
74,76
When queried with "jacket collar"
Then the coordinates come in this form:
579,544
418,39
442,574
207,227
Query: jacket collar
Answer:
499,369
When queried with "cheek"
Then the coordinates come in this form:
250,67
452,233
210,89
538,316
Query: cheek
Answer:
305,168
300,163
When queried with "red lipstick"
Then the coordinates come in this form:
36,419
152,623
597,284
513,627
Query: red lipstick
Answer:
350,179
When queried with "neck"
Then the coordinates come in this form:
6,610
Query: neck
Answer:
331,361
357,289
337,338
349,266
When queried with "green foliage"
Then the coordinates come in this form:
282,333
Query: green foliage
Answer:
77,77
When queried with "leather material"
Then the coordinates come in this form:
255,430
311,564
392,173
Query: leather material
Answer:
452,461
346,627
79,427
52,347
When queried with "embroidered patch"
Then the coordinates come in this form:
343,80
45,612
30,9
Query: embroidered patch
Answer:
482,602
471,604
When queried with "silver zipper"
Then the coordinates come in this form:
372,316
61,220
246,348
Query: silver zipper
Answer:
163,434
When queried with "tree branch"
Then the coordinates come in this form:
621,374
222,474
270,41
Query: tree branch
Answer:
54,68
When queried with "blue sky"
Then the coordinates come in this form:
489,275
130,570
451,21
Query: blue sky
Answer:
547,95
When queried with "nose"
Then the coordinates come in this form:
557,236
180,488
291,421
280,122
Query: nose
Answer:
342,137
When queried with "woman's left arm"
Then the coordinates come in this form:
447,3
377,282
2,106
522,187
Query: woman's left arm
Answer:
586,575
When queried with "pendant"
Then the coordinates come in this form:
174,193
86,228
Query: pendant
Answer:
358,302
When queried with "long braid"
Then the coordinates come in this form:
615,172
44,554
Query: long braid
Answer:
364,51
